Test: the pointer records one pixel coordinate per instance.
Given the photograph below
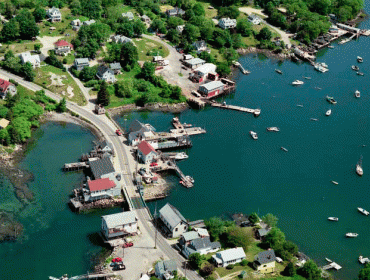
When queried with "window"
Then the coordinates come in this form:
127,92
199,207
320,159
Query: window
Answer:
176,229
184,227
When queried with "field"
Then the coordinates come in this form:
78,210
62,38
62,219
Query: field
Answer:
61,28
148,48
20,47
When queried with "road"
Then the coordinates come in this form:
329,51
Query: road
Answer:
121,162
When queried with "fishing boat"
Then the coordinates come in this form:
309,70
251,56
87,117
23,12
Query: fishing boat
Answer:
180,156
253,134
312,119
331,100
360,73
363,211
273,128
357,94
278,71
297,83
359,169
335,182
355,67
284,149
351,234
335,219
360,59
320,68
328,112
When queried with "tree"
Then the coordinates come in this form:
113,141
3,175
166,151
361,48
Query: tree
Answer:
88,73
103,94
129,55
26,108
37,47
290,270
275,238
3,111
310,270
126,29
147,71
207,270
195,260
239,238
215,227
198,9
10,31
138,27
264,34
5,137
364,273
20,130
175,93
124,88
39,14
244,27
223,69
27,71
114,52
270,220
62,106
173,36
173,22
191,32
27,25
290,247
91,8
159,26
230,12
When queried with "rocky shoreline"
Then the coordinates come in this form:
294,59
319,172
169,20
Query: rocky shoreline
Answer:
154,107
268,53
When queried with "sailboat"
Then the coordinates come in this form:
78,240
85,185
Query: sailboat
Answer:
359,169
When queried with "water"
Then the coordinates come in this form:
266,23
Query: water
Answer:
56,241
234,173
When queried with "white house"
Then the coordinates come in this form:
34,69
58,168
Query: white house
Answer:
33,59
227,23
180,28
103,188
230,256
7,87
89,22
166,269
62,47
81,63
201,46
264,262
106,74
139,131
146,152
76,24
54,14
120,39
191,242
120,224
254,19
175,223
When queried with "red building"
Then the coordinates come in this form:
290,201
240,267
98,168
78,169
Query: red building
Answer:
211,89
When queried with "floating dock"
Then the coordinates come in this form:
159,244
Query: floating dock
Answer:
255,112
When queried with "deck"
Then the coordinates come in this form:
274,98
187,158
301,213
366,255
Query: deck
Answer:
255,112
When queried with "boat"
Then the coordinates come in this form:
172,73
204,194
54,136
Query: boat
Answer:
284,149
320,68
274,128
299,105
278,71
360,73
312,119
351,234
335,182
355,67
323,64
357,94
297,83
335,219
363,211
331,100
328,112
328,260
359,169
318,88
253,134
360,59
331,47
307,78
190,179
180,156
363,260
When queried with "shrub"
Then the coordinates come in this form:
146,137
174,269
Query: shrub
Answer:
230,266
244,263
13,82
207,270
91,83
65,60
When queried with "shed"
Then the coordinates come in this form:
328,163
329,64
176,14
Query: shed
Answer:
194,62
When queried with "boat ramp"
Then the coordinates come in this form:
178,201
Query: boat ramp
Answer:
255,112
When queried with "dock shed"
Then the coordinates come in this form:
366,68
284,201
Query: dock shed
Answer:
212,88
194,62
201,73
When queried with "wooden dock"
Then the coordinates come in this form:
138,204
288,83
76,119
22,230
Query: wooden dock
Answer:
188,131
255,112
244,71
332,265
75,166
171,165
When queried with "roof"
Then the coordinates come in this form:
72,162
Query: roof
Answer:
136,126
206,68
168,265
118,219
88,22
171,215
253,16
82,60
213,85
145,148
195,61
228,21
200,44
231,254
202,231
115,66
205,242
27,57
4,123
176,11
53,10
62,43
100,184
263,232
266,257
191,235
4,85
103,69
128,15
101,167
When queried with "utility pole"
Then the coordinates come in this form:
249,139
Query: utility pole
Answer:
155,224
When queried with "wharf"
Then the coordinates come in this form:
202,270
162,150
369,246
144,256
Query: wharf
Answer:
171,165
188,131
75,166
256,112
332,265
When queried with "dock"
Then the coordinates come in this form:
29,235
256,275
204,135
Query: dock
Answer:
255,112
363,260
332,265
244,71
75,166
171,165
188,131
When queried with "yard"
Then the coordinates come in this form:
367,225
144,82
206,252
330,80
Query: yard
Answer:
61,28
210,13
20,47
148,48
57,81
164,8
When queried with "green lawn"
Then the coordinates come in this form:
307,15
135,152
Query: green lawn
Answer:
62,27
43,78
148,48
20,47
24,91
210,13
217,55
129,75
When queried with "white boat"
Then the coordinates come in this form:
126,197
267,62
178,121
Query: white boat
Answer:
307,78
274,128
299,105
328,112
328,260
320,68
331,47
253,134
312,119
357,94
363,211
359,169
351,234
323,64
297,83
360,59
335,182
190,179
335,219
355,67
284,149
363,260
180,156
360,73
278,71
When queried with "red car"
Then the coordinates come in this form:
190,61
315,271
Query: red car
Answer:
128,244
154,164
117,260
119,133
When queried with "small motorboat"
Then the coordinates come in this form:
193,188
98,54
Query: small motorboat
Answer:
355,67
328,260
180,156
363,260
299,105
335,219
318,88
351,234
278,71
357,94
253,134
335,182
328,112
360,73
284,149
363,211
360,59
274,128
307,78
190,179
297,83
313,119
359,169
331,47
331,100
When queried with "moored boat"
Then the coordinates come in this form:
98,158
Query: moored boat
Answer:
363,211
180,156
320,68
360,59
253,134
363,260
313,119
297,83
357,94
307,78
278,71
331,47
273,128
284,149
351,234
328,260
335,182
331,100
360,73
335,219
328,112
190,179
355,67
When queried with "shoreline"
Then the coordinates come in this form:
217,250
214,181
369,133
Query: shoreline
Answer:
157,107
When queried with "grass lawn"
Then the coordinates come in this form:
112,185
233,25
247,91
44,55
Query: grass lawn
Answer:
148,48
62,27
217,55
43,78
210,13
165,8
24,91
20,47
125,9
250,41
128,75
70,58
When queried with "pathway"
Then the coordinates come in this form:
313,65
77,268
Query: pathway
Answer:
48,43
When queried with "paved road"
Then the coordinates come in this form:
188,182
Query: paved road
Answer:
122,161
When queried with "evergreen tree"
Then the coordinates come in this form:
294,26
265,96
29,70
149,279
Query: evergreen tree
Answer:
62,106
103,94
10,31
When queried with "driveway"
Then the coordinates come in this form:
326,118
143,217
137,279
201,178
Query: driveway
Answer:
48,43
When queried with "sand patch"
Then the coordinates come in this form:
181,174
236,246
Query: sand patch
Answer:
70,92
57,80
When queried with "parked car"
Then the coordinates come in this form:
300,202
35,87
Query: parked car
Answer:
119,266
128,244
116,260
118,132
154,164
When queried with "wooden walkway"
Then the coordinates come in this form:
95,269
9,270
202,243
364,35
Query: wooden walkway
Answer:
244,71
256,112
75,166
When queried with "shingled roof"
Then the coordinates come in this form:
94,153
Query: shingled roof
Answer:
266,257
101,167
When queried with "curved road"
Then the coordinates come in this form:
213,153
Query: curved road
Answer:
107,128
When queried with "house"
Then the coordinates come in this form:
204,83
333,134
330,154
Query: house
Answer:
194,62
115,67
175,12
202,232
105,147
146,153
187,57
201,245
89,22
4,123
227,23
99,109
33,59
76,24
102,188
157,59
212,88
54,14
62,47
254,19
81,63
146,19
120,39
139,131
180,28
7,87
230,256
120,224
106,74
201,46
261,233
201,73
174,222
101,167
264,262
128,15
165,269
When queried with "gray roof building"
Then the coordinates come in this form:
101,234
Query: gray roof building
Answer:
116,66
118,219
89,22
101,166
266,257
189,236
165,269
212,85
172,215
175,12
263,232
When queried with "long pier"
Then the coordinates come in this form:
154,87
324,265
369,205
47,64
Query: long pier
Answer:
244,71
255,112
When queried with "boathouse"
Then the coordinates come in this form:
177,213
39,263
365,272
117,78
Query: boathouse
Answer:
120,224
174,222
201,73
146,152
230,256
212,88
101,166
264,262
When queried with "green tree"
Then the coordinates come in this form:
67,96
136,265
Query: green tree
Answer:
10,31
126,29
191,33
310,270
175,93
88,73
238,237
147,71
27,25
173,36
223,69
28,72
39,14
275,238
364,273
270,220
114,52
91,8
215,226
5,137
138,27
231,12
195,260
159,26
124,88
20,130
37,47
129,55
173,22
25,107
264,34
3,111
207,270
75,7
198,9
290,270
290,247
244,27
103,94
62,106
